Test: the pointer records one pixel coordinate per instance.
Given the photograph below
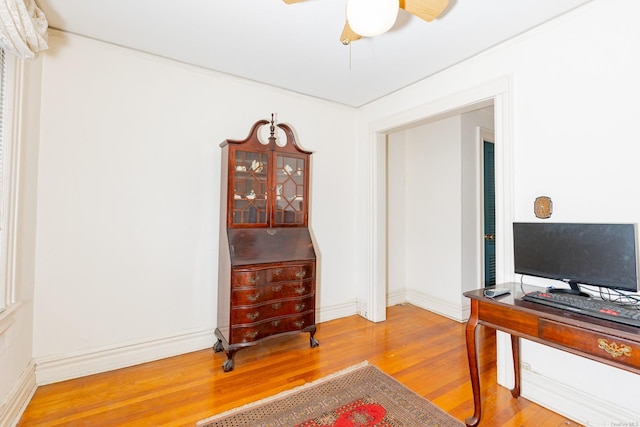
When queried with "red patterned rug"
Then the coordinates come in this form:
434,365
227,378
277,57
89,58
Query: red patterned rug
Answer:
361,396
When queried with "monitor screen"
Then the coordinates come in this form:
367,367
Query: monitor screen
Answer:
590,254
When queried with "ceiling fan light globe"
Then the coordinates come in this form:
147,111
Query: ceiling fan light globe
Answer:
372,17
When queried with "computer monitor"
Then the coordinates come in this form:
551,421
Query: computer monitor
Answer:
601,255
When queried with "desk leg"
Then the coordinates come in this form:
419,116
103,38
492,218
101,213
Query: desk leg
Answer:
472,354
515,352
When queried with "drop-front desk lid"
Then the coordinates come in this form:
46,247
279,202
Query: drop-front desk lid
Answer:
265,245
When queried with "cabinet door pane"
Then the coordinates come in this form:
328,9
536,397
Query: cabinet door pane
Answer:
290,190
250,192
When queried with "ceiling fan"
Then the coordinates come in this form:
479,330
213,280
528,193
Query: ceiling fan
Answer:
427,10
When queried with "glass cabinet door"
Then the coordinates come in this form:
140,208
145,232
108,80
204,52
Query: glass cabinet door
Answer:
250,188
290,190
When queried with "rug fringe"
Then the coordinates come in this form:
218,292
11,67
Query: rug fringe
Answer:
284,393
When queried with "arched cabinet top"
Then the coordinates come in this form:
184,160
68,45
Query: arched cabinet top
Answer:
269,139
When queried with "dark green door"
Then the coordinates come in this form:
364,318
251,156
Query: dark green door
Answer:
489,197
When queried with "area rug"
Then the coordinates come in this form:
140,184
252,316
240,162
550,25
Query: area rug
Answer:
361,396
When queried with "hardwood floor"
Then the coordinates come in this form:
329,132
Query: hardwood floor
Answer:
424,351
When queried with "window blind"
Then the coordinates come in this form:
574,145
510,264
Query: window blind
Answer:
3,116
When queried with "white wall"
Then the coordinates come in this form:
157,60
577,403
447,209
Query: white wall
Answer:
128,201
426,224
398,231
433,212
567,122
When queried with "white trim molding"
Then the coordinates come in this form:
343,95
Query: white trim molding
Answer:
436,305
60,368
569,401
7,317
496,92
9,202
53,369
336,311
16,403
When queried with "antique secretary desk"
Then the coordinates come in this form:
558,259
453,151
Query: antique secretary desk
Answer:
267,260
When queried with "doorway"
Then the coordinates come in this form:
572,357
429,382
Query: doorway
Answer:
496,93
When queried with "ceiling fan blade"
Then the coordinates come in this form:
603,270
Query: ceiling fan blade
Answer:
348,35
424,9
292,1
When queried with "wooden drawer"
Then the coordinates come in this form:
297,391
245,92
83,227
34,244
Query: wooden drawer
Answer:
261,276
258,313
508,319
267,293
249,333
604,346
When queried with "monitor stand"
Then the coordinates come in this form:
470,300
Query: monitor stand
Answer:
574,290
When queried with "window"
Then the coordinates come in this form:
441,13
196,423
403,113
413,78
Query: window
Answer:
8,176
4,292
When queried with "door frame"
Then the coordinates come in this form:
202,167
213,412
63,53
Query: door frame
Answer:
498,93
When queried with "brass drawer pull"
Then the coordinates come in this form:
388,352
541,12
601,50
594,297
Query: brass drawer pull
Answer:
254,297
277,288
301,274
277,272
300,307
299,323
253,280
253,316
251,334
275,323
276,305
614,349
301,290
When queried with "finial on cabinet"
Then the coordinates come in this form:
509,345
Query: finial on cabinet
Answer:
272,128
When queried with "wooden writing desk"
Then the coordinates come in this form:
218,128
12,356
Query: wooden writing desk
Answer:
607,342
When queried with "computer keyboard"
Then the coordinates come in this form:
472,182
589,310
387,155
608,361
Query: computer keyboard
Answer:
629,315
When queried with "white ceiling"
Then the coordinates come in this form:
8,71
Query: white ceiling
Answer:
297,46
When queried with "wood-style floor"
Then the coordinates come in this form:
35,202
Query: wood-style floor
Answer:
424,351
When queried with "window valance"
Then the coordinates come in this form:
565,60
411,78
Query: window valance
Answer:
23,28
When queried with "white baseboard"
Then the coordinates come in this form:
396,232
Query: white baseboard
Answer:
60,368
396,297
583,408
459,313
336,312
17,400
435,305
